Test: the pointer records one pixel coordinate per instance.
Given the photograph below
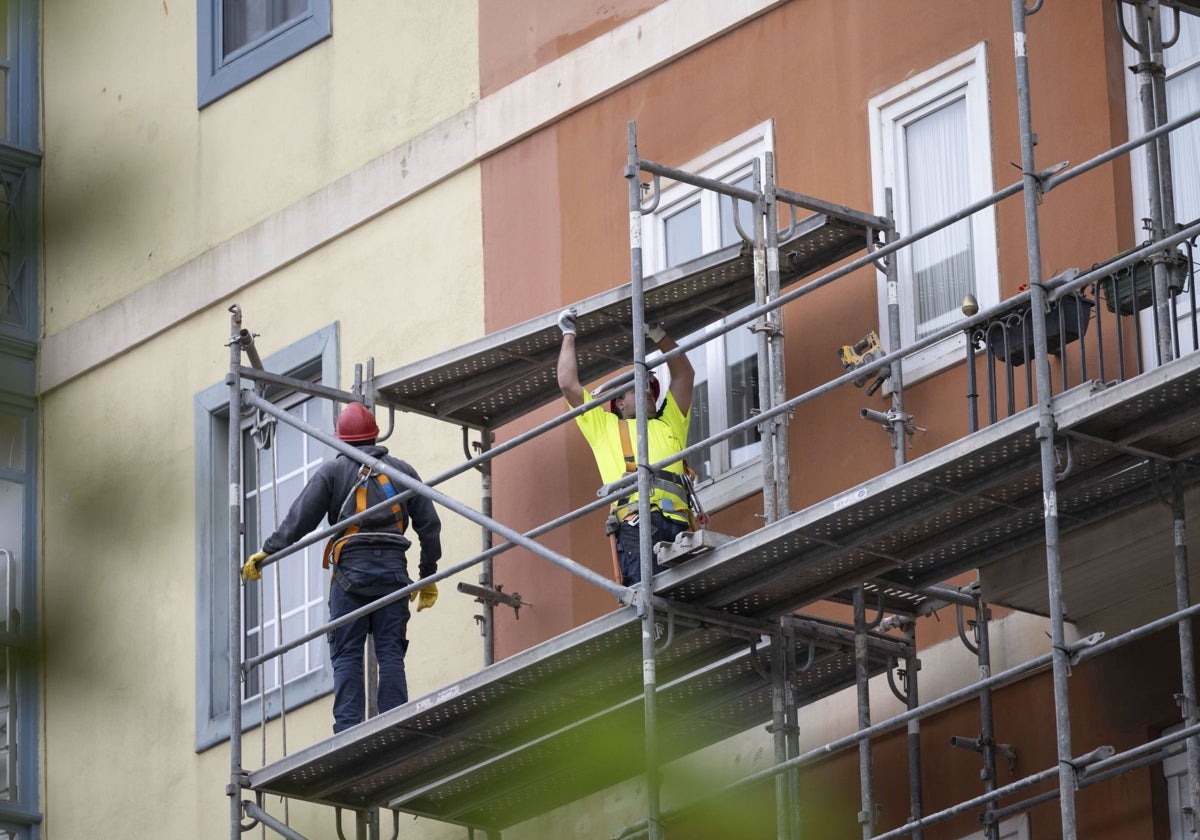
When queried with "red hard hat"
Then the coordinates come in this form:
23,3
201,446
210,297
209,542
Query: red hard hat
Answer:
355,423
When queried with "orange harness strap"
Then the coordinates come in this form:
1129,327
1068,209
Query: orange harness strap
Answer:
333,548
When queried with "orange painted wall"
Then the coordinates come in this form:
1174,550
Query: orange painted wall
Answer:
518,36
555,228
1120,700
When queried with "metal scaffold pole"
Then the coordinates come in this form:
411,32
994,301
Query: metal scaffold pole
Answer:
645,603
762,332
778,729
985,744
774,333
896,371
487,618
1067,775
1187,651
233,575
866,816
912,701
791,711
1152,97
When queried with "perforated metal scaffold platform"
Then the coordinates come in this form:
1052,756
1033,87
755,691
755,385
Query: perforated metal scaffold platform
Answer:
504,744
561,720
500,377
965,505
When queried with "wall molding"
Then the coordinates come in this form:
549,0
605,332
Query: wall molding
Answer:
615,59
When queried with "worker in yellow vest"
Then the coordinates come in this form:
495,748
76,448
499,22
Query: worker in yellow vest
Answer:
368,560
612,435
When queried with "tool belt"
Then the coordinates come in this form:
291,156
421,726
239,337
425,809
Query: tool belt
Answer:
626,508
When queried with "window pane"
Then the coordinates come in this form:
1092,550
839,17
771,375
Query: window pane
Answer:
14,269
701,425
12,518
244,21
270,492
943,264
289,449
729,234
1187,47
8,726
1183,97
683,235
12,441
741,364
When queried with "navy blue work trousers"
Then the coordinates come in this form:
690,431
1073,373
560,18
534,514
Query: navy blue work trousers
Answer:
663,529
357,581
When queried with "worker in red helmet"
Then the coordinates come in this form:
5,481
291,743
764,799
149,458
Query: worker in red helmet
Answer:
612,435
368,560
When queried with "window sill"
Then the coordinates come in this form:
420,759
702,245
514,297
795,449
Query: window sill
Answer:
931,361
739,483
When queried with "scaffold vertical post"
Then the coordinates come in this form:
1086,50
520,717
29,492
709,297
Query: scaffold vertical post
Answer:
762,339
645,545
486,573
912,666
862,676
896,371
987,725
792,720
774,323
1187,651
1158,156
1067,777
779,733
233,574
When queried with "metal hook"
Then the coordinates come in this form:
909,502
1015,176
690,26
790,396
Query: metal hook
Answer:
902,696
812,657
263,433
787,233
962,634
1059,476
655,197
670,632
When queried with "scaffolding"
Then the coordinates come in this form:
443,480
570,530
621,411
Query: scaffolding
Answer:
719,644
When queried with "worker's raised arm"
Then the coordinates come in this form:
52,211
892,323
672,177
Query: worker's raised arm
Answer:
683,375
568,365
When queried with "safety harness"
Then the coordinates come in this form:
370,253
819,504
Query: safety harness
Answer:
333,548
624,510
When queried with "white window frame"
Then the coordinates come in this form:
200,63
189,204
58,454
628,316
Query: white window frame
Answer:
1138,177
732,157
1175,771
963,76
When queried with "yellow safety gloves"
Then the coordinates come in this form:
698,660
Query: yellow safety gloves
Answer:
425,597
250,570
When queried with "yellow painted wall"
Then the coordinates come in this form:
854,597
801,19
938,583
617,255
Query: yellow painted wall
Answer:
119,537
137,181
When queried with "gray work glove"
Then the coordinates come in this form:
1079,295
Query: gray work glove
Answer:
655,332
566,320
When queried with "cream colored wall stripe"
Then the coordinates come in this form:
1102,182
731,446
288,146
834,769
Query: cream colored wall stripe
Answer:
616,58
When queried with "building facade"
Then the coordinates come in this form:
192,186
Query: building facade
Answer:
382,182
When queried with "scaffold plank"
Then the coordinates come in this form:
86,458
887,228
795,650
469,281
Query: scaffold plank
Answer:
505,744
502,376
556,722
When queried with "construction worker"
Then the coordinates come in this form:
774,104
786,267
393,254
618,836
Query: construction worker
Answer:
612,433
368,562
